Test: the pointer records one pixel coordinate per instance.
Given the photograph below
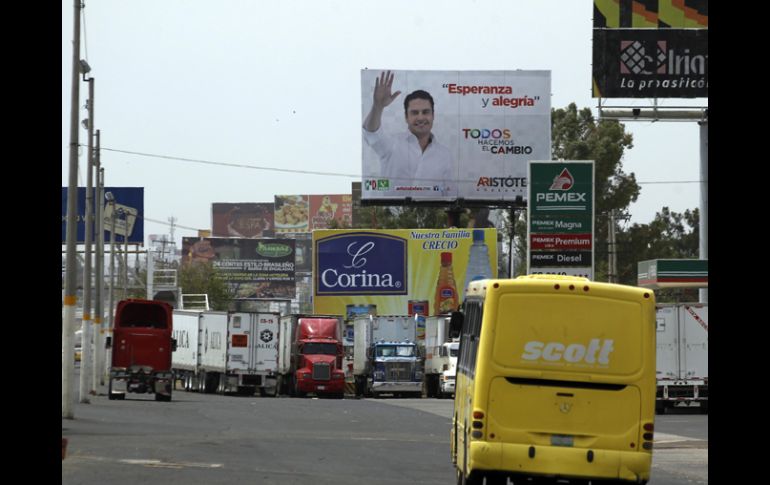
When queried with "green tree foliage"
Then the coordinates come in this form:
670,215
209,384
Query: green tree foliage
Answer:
403,217
200,277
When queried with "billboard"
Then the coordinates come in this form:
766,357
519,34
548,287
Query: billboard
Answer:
129,219
243,219
650,63
252,268
560,218
385,270
304,213
473,141
650,49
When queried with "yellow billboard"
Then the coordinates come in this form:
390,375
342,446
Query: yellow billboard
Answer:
400,271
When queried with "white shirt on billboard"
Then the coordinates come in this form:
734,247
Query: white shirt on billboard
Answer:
405,164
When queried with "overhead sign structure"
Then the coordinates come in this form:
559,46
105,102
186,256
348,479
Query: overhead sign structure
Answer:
448,135
650,49
129,217
561,215
385,271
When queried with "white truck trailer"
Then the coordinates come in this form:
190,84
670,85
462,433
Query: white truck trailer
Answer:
682,356
236,352
185,360
440,357
386,358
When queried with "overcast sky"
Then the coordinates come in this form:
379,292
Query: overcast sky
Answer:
277,85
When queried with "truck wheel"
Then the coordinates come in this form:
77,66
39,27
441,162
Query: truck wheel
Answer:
112,396
163,397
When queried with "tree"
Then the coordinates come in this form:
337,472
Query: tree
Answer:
202,277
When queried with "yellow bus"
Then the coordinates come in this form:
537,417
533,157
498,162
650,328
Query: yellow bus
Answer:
555,378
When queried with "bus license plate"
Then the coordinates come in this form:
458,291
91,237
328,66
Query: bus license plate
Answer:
562,440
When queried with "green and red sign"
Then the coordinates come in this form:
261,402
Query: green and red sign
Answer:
561,213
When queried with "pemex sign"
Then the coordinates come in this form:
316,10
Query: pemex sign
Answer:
561,214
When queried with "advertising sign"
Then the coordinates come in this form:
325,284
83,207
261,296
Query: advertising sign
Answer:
129,218
243,219
252,268
560,215
388,269
305,213
650,63
331,207
444,135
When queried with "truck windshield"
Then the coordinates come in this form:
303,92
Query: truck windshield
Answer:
395,351
453,351
313,348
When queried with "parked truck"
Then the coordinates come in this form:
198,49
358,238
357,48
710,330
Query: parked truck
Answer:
141,345
682,356
227,352
185,360
311,355
386,358
440,357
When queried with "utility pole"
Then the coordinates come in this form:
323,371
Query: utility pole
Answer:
98,374
86,363
612,269
70,284
111,200
125,255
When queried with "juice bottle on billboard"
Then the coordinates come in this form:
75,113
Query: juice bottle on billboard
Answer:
478,260
446,290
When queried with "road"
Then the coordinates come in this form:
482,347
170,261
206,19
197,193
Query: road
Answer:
212,439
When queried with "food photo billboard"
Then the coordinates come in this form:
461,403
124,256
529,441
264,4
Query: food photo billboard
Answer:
242,219
473,142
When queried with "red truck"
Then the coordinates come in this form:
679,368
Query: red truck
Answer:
310,355
141,345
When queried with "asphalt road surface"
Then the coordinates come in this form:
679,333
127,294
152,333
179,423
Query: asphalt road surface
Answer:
212,439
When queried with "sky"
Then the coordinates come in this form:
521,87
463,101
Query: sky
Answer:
277,85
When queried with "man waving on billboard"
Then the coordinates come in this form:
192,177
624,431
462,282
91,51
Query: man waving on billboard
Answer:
413,160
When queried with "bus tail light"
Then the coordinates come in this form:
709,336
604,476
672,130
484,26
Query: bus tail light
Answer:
478,425
648,436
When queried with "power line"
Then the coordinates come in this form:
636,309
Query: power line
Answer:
230,164
311,172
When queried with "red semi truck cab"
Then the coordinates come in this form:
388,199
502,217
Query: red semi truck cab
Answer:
142,344
317,356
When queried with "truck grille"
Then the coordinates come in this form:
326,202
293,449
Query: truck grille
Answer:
398,371
321,371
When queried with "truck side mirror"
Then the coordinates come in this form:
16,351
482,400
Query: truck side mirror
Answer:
173,345
108,343
456,324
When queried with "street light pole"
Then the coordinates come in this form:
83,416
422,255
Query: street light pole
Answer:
70,284
86,363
